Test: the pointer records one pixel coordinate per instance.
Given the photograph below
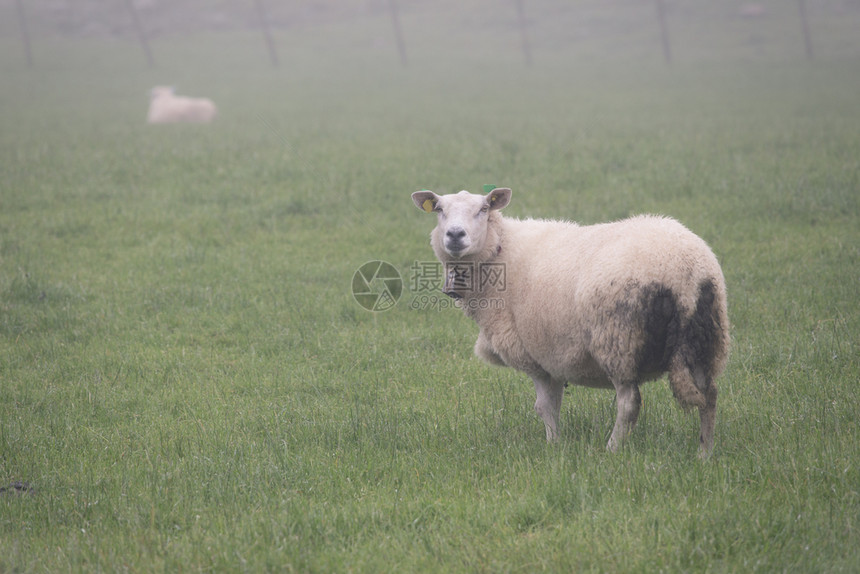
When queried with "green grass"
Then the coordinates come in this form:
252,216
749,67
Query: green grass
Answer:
187,383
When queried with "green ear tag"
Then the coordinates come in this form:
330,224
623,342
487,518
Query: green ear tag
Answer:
488,187
427,205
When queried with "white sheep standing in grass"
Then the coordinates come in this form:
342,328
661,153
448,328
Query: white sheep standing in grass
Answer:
608,306
165,107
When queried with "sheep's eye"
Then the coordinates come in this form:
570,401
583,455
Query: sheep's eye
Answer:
484,209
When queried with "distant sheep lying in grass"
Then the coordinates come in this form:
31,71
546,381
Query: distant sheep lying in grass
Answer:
165,107
607,306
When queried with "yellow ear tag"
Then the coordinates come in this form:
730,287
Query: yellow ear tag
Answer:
428,205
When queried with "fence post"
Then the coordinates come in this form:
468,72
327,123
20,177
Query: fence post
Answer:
140,33
521,16
804,23
398,32
264,24
25,33
664,32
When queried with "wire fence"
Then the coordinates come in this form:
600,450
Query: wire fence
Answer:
668,30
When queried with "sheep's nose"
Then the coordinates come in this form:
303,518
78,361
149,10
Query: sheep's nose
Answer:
456,233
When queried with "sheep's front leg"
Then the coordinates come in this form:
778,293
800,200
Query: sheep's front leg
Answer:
629,400
548,404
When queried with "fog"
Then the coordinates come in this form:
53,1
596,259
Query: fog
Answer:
411,32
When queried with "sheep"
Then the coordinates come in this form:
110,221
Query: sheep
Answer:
165,107
752,10
607,306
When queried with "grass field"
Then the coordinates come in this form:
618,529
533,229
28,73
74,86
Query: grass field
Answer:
188,384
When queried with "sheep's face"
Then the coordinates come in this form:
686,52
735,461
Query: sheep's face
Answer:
461,229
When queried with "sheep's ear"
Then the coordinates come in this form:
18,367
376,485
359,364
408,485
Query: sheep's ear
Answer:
425,200
499,197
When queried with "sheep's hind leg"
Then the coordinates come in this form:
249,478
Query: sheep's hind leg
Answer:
548,404
628,400
693,388
707,418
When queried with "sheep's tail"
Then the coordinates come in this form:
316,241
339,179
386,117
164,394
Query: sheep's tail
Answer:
702,350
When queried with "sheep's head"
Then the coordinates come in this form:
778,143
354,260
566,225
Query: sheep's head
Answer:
161,91
461,229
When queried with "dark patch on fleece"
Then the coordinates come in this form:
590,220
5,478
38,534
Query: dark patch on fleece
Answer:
702,333
661,327
649,316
